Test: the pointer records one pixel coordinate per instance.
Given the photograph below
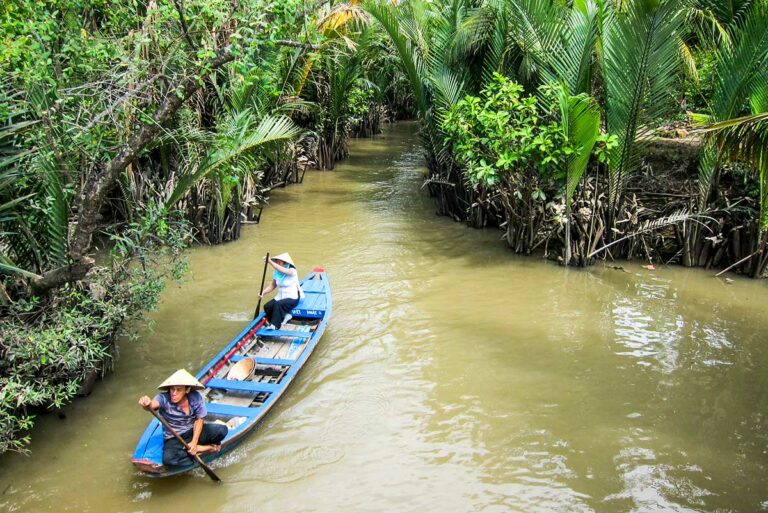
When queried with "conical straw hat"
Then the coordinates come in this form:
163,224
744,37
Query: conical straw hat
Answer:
285,257
182,378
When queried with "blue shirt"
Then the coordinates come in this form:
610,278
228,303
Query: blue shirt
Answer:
179,420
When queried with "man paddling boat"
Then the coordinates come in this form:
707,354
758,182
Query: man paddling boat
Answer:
182,406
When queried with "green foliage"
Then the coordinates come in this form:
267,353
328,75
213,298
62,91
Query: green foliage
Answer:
48,348
503,132
238,137
641,59
698,92
399,21
740,87
359,103
745,140
43,363
79,80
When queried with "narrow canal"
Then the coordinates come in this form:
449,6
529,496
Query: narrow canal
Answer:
453,377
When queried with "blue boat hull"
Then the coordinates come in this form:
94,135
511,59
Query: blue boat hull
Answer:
278,356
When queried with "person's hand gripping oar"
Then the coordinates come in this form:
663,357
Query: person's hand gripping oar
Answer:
263,276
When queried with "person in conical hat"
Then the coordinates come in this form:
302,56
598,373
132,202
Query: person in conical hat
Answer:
181,378
183,407
285,278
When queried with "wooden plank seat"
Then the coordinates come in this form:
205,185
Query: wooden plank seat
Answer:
312,307
264,361
314,304
228,410
242,386
283,333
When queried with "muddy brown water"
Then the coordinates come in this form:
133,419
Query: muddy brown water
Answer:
453,377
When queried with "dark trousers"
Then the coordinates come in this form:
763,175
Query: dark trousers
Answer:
175,454
276,310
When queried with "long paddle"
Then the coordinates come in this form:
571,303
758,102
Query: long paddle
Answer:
263,275
196,457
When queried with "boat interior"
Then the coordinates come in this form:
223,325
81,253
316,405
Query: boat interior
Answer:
259,366
244,379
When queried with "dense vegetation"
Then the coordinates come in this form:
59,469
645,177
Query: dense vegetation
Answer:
620,69
132,128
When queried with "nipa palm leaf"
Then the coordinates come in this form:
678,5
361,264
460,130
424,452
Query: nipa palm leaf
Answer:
641,56
271,129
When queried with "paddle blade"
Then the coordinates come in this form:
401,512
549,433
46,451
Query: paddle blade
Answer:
208,470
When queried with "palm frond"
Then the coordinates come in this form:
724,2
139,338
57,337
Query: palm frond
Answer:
641,57
651,225
535,27
57,210
8,267
746,138
740,75
497,48
708,28
290,68
410,58
689,61
572,59
271,129
448,90
758,97
341,17
580,117
185,133
308,65
738,68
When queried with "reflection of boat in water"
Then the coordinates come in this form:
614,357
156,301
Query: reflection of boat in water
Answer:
249,375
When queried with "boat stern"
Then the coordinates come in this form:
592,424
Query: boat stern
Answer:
149,467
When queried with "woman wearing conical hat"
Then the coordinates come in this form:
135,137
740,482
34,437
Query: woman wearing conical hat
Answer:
183,407
285,279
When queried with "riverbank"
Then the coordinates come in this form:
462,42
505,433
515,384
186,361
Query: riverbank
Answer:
453,375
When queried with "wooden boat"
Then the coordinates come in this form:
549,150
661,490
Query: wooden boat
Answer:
240,395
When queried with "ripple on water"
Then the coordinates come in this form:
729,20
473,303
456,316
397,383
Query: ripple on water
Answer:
236,316
654,488
651,340
357,415
289,463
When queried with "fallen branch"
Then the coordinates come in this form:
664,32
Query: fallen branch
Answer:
738,263
650,226
296,44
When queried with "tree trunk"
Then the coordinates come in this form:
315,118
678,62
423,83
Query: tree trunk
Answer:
101,180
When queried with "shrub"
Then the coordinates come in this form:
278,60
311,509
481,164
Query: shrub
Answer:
49,347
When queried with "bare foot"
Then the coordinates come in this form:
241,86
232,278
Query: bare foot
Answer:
205,449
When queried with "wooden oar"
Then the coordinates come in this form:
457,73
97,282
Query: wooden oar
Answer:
196,457
263,275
